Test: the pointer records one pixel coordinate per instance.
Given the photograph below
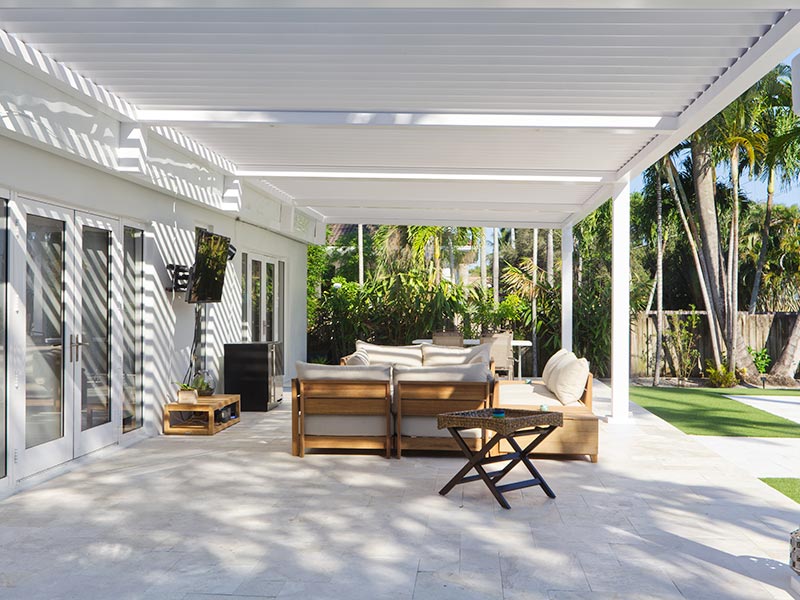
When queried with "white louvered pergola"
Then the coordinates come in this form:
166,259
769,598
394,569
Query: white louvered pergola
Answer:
529,113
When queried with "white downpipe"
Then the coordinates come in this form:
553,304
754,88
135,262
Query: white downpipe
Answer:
620,304
566,288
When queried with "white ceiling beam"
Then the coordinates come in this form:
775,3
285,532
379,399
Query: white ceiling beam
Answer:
383,119
778,43
500,175
411,4
601,195
333,205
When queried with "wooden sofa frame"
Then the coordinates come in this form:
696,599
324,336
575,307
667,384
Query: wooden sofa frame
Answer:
579,436
428,399
345,398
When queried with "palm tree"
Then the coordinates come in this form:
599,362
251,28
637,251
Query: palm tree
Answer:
776,121
735,131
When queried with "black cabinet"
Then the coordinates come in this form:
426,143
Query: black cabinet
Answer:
255,372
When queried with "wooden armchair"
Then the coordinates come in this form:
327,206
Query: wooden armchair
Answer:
365,405
420,401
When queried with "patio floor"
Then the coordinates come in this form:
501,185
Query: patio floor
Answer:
235,516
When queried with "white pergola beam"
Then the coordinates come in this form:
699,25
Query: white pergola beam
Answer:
505,206
422,4
778,43
484,214
386,119
620,303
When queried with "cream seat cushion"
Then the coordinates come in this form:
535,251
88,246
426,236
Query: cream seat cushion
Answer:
436,356
410,356
548,368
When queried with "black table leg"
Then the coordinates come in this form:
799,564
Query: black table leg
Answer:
478,459
474,462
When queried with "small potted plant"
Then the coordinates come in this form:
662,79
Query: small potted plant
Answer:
187,394
204,383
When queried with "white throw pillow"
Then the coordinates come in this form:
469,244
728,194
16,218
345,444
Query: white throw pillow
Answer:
357,358
410,356
436,356
571,380
555,373
548,368
310,371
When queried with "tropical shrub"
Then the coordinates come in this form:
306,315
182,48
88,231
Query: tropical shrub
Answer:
721,377
680,340
761,358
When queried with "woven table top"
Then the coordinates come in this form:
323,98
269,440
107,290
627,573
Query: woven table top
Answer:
514,420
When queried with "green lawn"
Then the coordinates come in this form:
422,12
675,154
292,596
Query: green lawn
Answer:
788,486
706,411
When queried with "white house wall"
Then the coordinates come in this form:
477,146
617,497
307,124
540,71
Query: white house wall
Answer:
169,222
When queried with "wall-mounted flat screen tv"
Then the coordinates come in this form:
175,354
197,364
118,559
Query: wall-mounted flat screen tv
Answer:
207,276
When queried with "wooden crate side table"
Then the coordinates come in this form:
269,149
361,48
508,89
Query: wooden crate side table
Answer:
202,421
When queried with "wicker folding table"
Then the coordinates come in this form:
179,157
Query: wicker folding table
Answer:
516,422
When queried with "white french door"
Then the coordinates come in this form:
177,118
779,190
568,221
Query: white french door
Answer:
261,298
64,273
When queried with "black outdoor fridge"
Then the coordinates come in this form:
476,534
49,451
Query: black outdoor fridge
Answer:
254,370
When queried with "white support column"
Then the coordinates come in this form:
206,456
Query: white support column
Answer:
360,254
566,287
620,303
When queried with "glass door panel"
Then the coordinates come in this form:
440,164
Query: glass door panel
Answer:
3,390
41,255
96,358
93,350
269,303
132,301
256,307
262,298
44,330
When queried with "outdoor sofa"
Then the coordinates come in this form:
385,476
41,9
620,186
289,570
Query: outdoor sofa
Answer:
566,387
388,396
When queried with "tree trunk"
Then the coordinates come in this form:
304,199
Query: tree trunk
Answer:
762,254
704,182
733,264
786,365
483,258
534,308
549,264
496,267
513,239
659,282
702,277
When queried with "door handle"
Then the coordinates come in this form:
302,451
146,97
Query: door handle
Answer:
75,344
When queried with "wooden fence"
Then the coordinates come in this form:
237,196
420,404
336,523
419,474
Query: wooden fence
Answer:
768,330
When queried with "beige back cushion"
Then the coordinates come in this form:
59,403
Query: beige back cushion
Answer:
410,356
550,365
437,356
568,380
469,373
310,371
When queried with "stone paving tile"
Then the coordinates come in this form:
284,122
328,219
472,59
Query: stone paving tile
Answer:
236,516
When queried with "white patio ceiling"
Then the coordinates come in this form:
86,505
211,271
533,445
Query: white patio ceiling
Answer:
394,112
